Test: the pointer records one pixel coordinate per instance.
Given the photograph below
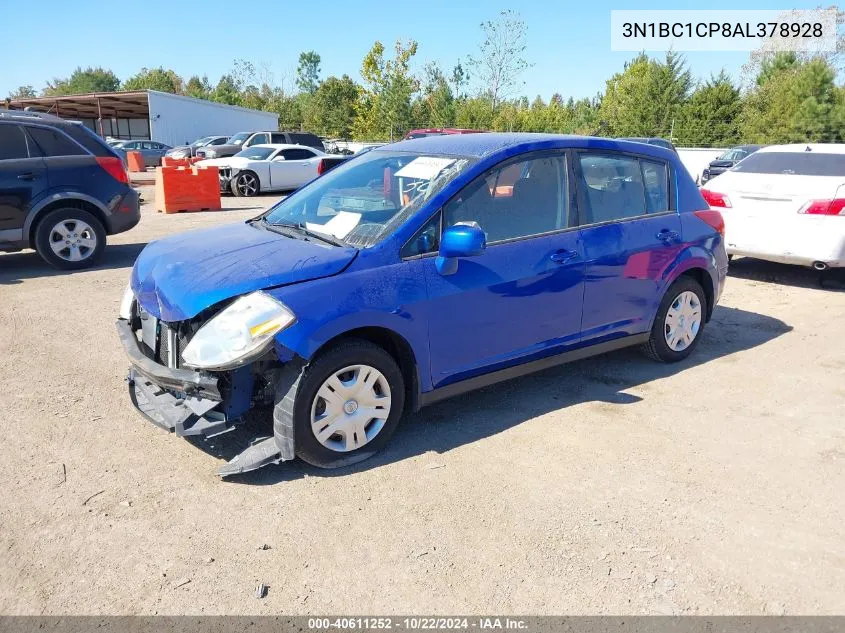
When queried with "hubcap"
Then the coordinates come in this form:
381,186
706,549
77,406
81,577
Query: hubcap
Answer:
350,408
683,321
247,185
73,240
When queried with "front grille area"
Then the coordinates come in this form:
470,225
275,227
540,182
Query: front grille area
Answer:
161,341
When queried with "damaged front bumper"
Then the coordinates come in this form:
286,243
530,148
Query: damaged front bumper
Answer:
188,402
225,175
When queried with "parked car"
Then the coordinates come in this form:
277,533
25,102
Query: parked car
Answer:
62,190
785,203
151,150
438,131
187,151
660,142
245,139
416,272
727,160
263,168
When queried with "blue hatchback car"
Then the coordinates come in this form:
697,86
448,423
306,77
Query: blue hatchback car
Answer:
417,272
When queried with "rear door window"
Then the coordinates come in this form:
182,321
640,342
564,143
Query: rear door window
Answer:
615,187
793,163
51,142
612,186
12,142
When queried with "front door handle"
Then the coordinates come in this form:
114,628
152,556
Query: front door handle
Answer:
563,256
27,176
668,236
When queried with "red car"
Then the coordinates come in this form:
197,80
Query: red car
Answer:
438,131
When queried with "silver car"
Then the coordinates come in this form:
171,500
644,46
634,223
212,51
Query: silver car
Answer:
186,151
151,150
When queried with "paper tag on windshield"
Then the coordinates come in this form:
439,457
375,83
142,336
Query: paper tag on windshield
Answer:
424,167
340,225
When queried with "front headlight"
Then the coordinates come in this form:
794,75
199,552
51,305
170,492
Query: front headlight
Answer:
238,333
210,153
126,304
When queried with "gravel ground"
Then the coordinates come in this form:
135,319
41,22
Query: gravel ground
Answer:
614,485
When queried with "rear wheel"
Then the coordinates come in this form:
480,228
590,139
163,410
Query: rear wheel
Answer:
346,406
246,184
679,322
70,238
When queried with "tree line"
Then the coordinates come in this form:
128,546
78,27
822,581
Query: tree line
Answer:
789,97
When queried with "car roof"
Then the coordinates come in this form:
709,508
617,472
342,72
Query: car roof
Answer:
486,143
281,146
821,148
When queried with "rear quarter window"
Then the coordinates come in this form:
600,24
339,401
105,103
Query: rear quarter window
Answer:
793,163
88,140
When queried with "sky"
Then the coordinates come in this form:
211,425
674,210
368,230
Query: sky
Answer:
568,42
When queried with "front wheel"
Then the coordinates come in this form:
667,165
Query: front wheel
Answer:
679,322
346,406
246,184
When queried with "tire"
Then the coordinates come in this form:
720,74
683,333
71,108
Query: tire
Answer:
298,400
658,347
240,185
87,244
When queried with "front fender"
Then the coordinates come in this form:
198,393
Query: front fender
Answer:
390,297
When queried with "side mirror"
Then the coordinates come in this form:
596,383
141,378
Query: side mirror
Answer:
460,240
278,158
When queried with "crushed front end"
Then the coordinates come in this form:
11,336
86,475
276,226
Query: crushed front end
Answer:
187,401
225,176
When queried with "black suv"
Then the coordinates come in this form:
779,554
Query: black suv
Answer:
62,190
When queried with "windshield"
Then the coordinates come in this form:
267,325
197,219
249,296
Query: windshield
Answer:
794,163
201,141
256,153
364,199
237,139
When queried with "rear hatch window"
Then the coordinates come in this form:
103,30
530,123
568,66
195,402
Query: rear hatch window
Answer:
793,163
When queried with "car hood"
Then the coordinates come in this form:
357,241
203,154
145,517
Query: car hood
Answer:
228,147
225,161
723,164
178,277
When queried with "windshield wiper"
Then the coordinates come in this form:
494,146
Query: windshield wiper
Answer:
304,230
276,228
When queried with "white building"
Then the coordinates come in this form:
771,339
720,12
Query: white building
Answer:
149,114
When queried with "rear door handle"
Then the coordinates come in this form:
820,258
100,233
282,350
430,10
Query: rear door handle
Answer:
27,176
668,236
563,256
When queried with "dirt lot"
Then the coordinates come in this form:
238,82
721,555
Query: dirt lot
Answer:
610,486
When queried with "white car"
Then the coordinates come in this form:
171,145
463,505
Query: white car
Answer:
785,203
262,168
